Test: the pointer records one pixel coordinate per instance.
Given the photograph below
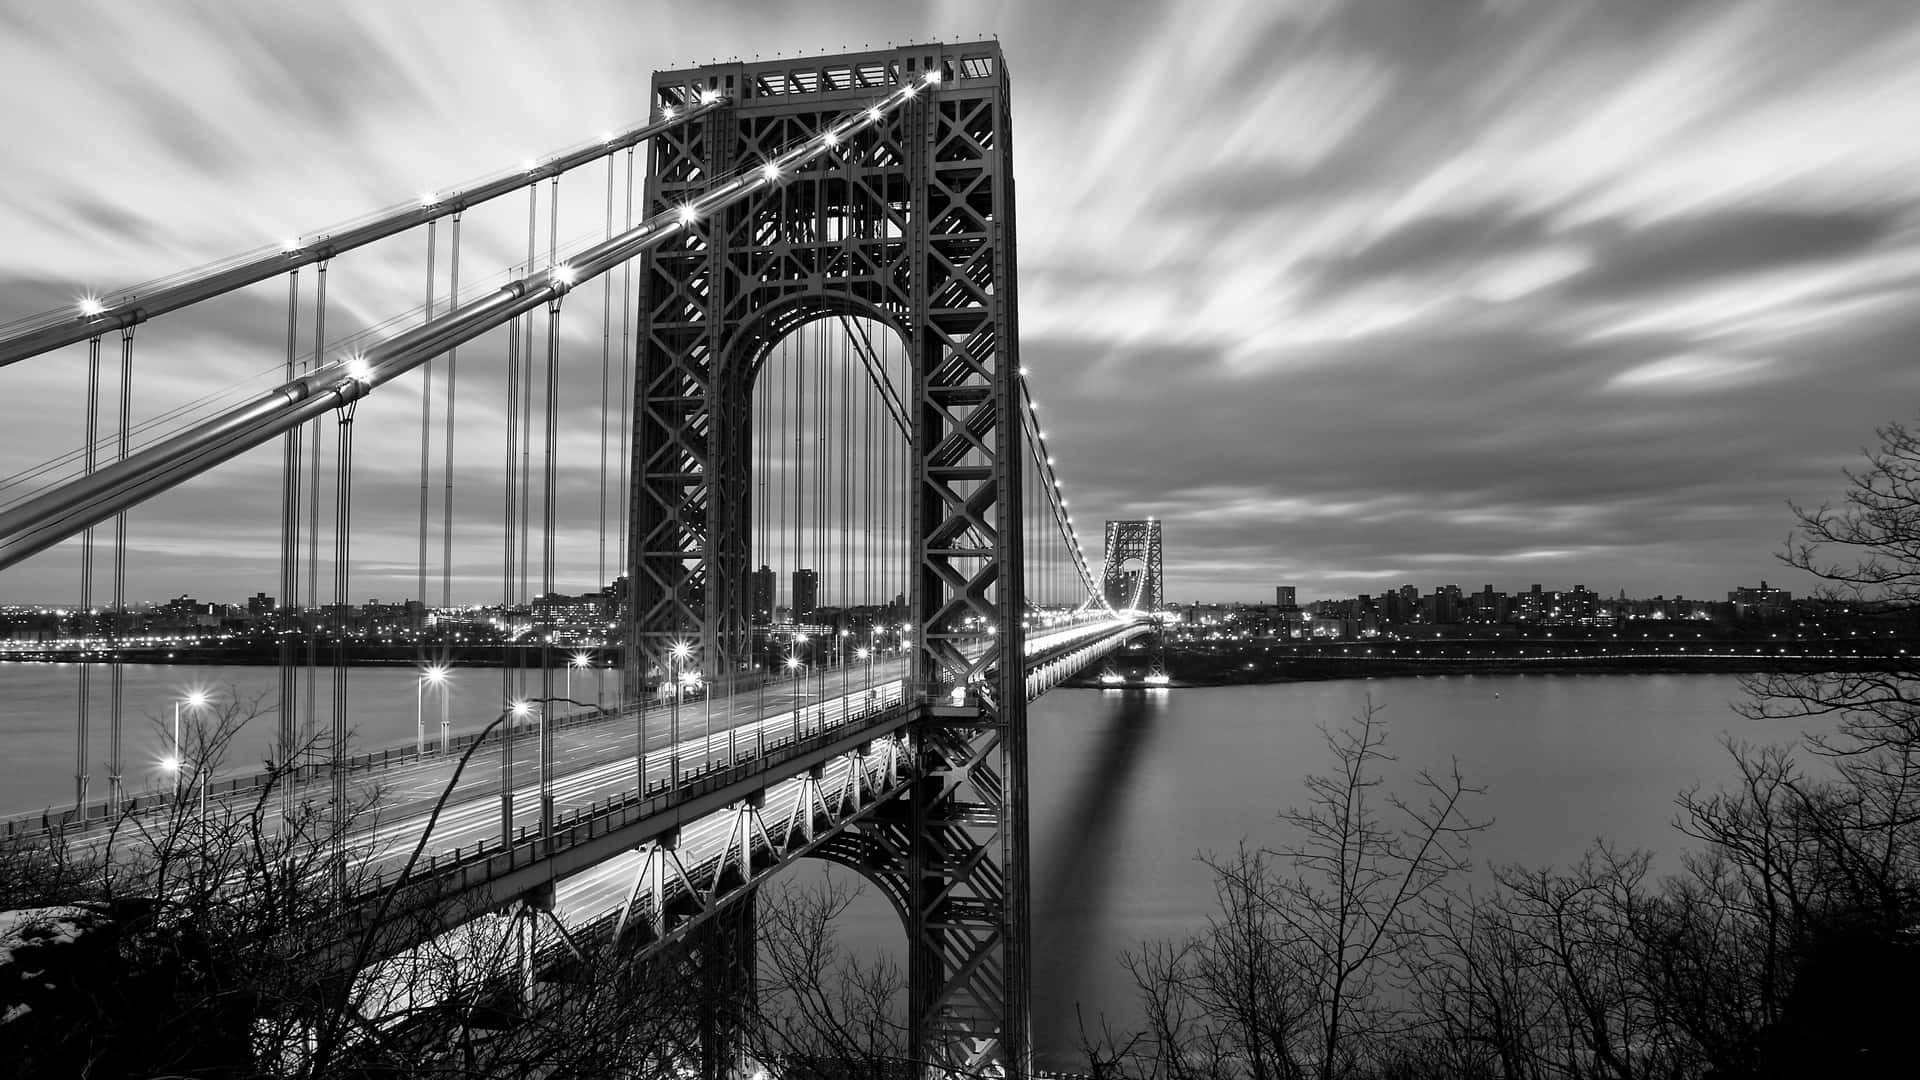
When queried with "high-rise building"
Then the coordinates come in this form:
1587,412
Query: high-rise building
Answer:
1283,597
762,585
806,594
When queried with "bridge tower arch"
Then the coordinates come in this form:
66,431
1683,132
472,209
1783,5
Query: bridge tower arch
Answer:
910,221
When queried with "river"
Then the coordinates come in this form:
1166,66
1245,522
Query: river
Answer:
1127,787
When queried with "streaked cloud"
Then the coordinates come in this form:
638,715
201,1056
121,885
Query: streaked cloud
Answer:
1351,293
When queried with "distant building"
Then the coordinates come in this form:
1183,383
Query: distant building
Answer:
259,606
1283,597
762,598
806,594
1764,600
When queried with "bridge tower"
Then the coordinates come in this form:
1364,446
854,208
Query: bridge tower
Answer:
909,223
1131,566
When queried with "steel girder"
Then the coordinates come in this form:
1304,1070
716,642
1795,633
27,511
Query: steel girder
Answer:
909,223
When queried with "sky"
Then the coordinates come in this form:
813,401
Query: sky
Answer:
1351,294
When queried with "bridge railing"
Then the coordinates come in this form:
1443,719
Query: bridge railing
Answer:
465,867
97,812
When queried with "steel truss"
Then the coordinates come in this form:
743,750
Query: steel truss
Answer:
1132,540
908,222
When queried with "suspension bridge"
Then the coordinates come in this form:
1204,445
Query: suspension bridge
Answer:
825,505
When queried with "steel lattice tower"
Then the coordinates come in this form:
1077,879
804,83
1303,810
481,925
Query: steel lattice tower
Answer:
1127,540
909,223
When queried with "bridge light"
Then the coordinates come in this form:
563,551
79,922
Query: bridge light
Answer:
709,96
681,650
171,764
358,369
792,662
830,139
521,708
1025,370
564,274
1049,461
581,660
770,171
687,215
529,164
933,77
874,113
667,112
435,674
290,244
428,198
91,306
606,136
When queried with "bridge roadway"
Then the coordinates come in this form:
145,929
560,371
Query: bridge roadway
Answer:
799,763
796,777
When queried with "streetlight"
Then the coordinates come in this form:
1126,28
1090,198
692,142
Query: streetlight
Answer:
676,656
516,711
177,764
436,674
864,653
579,660
799,672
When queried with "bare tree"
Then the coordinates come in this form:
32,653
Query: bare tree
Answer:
1865,551
821,1011
1299,975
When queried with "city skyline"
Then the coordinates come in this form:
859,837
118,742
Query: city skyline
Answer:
1349,295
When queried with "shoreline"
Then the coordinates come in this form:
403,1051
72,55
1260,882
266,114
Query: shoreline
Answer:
1324,669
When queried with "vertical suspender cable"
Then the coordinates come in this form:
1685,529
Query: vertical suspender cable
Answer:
600,580
526,424
313,505
626,421
86,583
426,443
547,493
342,553
549,509
446,452
845,520
115,761
290,556
508,515
446,466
